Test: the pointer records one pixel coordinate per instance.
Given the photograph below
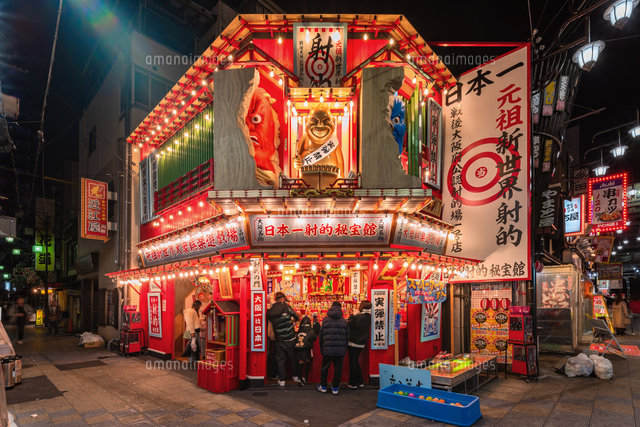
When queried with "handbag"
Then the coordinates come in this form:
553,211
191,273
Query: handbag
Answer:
187,335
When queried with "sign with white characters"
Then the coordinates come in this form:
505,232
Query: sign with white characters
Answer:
608,203
258,321
574,216
487,168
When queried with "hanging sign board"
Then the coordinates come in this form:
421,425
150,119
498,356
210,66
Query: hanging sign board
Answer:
434,144
392,317
258,321
425,291
487,167
602,248
379,299
574,214
320,53
93,209
608,203
311,230
609,271
431,315
155,318
413,234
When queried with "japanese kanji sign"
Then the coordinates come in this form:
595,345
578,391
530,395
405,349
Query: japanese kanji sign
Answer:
574,216
225,236
93,206
274,230
487,167
413,234
425,291
602,248
320,53
391,327
256,274
258,321
608,203
379,299
155,318
45,237
434,144
609,271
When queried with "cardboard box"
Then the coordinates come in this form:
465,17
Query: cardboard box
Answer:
94,344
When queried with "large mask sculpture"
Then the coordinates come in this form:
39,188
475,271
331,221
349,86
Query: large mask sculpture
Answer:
319,155
397,120
264,131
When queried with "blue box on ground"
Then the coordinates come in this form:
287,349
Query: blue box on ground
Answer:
464,415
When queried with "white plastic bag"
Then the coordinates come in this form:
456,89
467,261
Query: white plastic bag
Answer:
580,365
602,367
89,337
194,344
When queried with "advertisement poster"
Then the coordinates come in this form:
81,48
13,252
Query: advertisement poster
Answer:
320,53
379,299
608,203
487,169
602,248
426,291
93,210
430,329
155,318
556,290
574,214
610,271
258,321
489,326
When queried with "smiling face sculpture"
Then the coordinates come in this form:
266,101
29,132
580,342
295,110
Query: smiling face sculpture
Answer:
264,129
397,120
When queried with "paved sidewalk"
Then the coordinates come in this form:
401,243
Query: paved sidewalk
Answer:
68,385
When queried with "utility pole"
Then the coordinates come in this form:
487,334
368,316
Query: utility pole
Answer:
46,268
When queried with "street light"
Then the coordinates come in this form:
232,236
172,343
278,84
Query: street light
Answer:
15,251
8,239
587,55
602,169
619,150
620,12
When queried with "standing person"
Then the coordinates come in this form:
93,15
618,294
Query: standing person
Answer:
53,317
334,338
620,315
281,314
307,334
192,319
634,306
359,331
19,314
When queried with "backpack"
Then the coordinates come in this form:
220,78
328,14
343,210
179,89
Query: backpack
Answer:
305,339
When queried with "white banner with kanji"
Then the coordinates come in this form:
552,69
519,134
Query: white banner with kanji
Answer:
487,165
155,318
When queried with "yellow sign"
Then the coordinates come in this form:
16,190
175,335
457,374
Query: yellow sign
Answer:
600,310
39,317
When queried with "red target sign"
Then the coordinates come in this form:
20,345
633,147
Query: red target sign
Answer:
480,172
320,68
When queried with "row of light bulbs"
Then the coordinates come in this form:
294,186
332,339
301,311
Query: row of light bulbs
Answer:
189,209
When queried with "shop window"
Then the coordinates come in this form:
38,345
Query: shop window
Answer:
149,88
92,140
142,88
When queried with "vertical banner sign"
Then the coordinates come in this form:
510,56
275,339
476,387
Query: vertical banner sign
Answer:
256,274
45,236
320,53
258,320
536,151
93,206
549,95
145,208
580,181
355,283
562,93
39,317
434,117
535,106
546,161
391,327
608,203
155,319
487,162
430,329
379,299
574,216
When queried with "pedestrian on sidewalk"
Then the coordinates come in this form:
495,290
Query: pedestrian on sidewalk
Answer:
193,319
334,338
281,314
54,315
359,331
19,314
307,334
620,315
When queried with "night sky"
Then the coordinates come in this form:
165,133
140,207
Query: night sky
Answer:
28,36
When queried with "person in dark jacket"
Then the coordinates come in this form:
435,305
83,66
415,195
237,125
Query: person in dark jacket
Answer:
334,337
280,315
307,334
359,331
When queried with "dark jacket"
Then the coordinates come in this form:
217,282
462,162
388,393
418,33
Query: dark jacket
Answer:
360,328
334,334
280,315
307,334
